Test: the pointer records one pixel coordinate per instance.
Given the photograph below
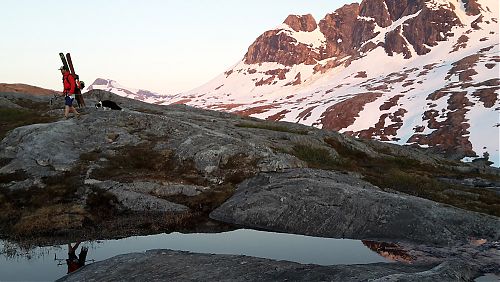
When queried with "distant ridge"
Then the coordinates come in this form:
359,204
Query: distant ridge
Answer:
26,89
118,89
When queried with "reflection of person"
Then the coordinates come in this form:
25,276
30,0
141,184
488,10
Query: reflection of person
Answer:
75,262
68,92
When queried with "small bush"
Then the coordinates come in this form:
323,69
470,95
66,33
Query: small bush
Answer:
316,157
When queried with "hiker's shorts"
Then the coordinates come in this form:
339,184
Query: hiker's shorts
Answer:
68,100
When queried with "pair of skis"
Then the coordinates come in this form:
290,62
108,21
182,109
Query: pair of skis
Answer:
68,64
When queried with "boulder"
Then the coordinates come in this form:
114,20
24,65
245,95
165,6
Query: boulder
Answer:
331,204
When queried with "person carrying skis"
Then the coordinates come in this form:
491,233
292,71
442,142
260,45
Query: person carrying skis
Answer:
68,92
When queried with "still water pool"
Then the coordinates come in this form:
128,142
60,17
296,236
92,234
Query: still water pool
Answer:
48,263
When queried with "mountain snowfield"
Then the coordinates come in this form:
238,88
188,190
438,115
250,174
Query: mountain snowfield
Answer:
422,72
404,99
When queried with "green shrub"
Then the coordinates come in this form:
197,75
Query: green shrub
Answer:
315,157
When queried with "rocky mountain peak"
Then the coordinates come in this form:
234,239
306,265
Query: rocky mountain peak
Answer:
401,27
301,23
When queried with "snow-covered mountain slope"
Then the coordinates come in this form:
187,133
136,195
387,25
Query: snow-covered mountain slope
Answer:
411,72
137,94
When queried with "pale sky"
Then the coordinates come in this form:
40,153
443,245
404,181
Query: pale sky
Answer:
164,46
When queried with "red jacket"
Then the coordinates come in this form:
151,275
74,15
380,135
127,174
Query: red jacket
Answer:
69,83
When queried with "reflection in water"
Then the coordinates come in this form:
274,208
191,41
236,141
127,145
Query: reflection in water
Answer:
75,262
38,264
389,251
15,251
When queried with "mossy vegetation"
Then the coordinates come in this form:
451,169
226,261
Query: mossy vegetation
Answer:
28,211
32,112
143,162
396,173
271,126
429,187
414,178
13,118
238,168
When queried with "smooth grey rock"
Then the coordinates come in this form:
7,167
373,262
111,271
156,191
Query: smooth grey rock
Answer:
48,149
168,265
171,189
336,205
136,197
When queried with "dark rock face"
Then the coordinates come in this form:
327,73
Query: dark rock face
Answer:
472,7
167,265
301,23
400,8
329,204
435,24
376,9
395,43
340,26
343,114
278,47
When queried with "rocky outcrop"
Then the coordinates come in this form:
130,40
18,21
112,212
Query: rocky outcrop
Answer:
278,47
472,7
376,9
162,265
147,196
340,31
305,23
329,204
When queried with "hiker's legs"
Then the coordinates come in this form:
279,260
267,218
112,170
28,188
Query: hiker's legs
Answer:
73,110
68,104
66,111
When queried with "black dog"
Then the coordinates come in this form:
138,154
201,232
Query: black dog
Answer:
108,105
